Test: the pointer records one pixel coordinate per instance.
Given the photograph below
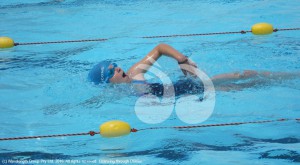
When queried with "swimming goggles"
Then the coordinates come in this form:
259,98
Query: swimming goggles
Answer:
111,71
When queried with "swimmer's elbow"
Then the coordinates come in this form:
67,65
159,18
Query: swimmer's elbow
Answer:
162,46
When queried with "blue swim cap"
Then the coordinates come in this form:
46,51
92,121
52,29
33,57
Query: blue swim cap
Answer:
101,72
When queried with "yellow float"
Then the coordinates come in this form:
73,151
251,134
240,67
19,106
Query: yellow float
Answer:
114,128
262,29
6,42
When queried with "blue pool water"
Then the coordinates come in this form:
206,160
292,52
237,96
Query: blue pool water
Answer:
44,88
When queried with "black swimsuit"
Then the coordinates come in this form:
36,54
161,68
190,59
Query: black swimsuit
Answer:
186,86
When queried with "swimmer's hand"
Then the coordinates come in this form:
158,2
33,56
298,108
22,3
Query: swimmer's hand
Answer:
188,67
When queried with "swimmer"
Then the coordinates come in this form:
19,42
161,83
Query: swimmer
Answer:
108,72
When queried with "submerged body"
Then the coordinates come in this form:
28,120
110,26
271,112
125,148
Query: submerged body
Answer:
180,87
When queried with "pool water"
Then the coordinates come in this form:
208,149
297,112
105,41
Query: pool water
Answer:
44,88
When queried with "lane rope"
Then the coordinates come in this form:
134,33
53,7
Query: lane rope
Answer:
217,33
61,42
92,133
149,37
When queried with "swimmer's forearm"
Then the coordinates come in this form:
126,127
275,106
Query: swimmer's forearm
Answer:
164,49
226,77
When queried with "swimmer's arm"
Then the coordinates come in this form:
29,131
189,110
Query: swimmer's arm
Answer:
248,74
138,69
223,78
232,77
227,81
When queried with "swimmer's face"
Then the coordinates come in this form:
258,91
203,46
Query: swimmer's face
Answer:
119,75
